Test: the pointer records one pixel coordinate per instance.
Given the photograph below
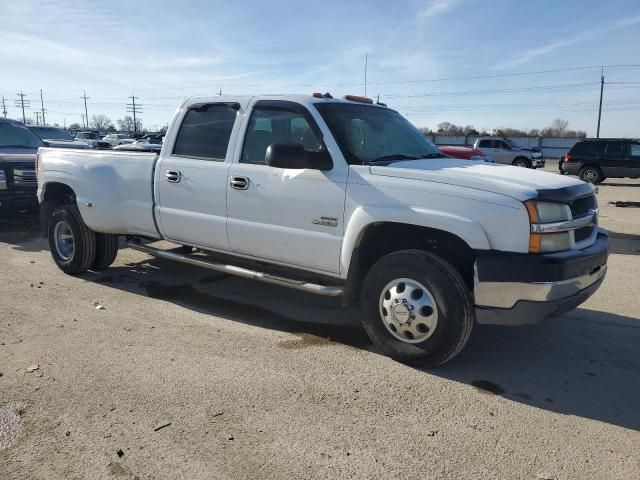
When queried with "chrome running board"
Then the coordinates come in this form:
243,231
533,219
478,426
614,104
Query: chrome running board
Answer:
325,290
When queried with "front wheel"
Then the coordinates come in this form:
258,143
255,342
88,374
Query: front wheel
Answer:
416,308
522,162
72,243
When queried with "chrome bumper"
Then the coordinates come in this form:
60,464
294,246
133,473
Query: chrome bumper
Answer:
512,303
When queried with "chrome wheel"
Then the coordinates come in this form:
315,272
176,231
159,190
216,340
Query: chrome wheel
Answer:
63,241
590,175
408,310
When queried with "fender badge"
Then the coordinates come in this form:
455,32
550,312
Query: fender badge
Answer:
325,221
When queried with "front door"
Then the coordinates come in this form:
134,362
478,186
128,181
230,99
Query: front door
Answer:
191,180
633,162
289,216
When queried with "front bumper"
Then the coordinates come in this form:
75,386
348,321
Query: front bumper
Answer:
16,201
518,289
538,162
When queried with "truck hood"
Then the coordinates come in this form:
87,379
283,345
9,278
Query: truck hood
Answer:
516,182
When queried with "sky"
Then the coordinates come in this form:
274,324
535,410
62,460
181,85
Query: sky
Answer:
486,63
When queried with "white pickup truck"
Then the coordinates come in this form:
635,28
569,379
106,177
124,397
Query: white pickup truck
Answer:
336,197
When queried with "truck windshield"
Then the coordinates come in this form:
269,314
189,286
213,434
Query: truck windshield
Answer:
368,134
17,135
51,133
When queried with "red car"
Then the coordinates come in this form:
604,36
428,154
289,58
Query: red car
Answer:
465,153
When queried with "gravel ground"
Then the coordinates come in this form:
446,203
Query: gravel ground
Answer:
189,374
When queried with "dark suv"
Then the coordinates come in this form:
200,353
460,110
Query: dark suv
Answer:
594,160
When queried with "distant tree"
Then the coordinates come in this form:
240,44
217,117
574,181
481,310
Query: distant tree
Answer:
512,132
558,128
111,129
425,131
75,126
101,122
470,130
126,124
534,132
29,121
448,128
164,129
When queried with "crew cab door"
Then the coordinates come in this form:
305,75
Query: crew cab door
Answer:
288,216
191,176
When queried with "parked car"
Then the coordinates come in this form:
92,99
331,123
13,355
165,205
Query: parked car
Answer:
336,198
594,160
503,150
57,137
93,139
18,184
465,153
116,139
142,145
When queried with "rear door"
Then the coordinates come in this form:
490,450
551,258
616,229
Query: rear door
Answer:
290,216
191,176
614,158
503,152
633,162
488,147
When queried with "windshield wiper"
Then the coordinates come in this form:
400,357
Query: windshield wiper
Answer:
391,158
434,155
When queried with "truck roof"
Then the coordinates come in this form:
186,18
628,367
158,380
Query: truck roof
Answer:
298,98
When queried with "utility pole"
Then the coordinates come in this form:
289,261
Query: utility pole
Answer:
4,108
134,108
86,114
37,114
22,104
42,107
366,61
600,108
83,120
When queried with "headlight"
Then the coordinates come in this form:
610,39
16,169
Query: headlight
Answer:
541,213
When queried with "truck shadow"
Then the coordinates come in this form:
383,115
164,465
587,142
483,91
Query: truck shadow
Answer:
23,232
585,363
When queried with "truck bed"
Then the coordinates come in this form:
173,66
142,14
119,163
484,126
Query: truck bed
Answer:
114,190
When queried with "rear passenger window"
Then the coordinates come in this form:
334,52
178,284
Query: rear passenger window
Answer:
585,148
615,149
635,149
205,132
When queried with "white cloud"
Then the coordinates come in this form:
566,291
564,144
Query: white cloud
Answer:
433,8
627,22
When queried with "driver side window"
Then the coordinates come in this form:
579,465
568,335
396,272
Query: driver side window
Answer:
271,125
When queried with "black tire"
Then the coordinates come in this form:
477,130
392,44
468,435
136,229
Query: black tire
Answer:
452,298
591,174
106,250
84,240
522,162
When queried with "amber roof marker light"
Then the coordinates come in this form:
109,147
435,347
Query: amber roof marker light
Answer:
357,98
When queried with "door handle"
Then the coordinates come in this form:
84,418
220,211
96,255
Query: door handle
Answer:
173,177
239,183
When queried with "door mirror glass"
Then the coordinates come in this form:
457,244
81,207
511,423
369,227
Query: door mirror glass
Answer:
294,155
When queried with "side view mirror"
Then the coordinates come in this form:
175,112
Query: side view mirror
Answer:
293,155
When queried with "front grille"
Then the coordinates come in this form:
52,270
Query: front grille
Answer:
25,177
581,206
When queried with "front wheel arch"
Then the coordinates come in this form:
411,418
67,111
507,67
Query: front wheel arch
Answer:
521,162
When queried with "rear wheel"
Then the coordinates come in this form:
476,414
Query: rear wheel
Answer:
591,174
416,308
522,162
106,250
72,243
